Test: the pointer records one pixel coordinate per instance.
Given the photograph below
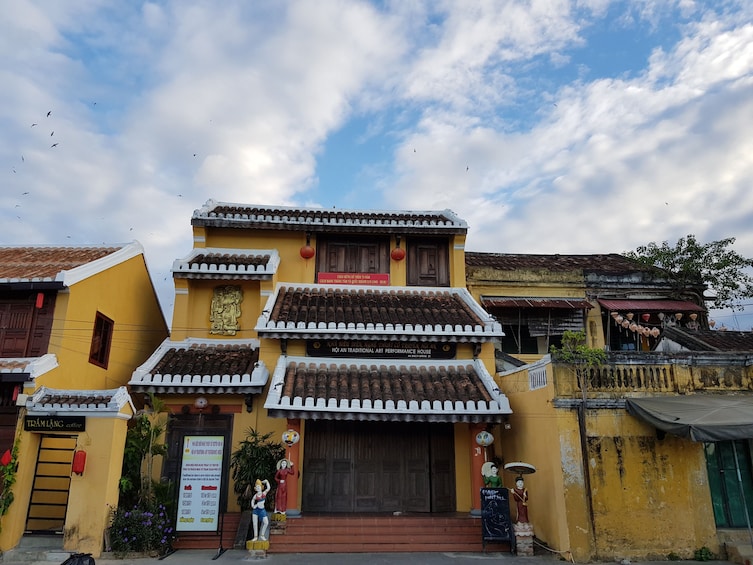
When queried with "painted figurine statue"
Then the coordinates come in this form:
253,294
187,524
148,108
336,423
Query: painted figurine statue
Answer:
489,471
520,496
284,469
259,513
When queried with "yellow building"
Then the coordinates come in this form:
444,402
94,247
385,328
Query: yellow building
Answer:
74,322
353,329
633,459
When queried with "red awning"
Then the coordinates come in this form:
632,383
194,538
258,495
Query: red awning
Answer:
535,302
651,305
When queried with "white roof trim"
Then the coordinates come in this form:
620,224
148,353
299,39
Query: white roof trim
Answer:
490,327
34,366
183,266
119,399
499,404
82,272
144,377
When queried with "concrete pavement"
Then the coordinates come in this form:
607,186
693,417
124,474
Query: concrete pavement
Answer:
240,557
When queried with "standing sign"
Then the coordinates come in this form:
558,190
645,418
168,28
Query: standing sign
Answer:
200,482
495,517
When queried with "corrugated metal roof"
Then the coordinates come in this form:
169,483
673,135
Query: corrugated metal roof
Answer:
650,305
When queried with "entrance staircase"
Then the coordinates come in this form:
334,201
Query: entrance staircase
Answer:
737,545
356,534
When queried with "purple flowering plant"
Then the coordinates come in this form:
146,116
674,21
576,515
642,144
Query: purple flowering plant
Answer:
142,529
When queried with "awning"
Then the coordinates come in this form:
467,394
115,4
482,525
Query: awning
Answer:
651,305
534,302
699,417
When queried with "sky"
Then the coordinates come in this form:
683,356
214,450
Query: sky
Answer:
550,126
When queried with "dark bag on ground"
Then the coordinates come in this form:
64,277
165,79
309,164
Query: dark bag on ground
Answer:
79,559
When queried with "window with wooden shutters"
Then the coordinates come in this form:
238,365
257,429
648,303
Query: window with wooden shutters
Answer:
101,341
428,262
15,328
353,255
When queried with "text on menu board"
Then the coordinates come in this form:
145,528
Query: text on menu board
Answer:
200,484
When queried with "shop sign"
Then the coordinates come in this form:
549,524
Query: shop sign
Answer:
54,423
370,279
200,483
380,349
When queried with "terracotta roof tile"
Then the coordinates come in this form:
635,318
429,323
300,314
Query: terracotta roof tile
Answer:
217,263
374,312
596,263
211,366
224,214
710,340
379,389
55,401
45,263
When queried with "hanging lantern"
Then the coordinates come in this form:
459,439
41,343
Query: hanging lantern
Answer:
484,438
6,458
625,324
633,327
307,252
290,437
694,316
629,315
397,254
712,323
645,317
678,316
79,462
614,314
618,319
655,332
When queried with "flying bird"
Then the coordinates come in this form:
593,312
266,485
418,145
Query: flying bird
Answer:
54,145
24,193
52,133
32,125
48,113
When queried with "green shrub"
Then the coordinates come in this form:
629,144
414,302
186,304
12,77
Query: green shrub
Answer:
704,554
141,529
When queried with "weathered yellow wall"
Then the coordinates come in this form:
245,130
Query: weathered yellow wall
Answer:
661,485
93,494
541,436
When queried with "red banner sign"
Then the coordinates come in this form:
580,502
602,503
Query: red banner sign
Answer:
372,279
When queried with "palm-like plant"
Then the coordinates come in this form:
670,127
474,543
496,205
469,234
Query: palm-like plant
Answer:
255,458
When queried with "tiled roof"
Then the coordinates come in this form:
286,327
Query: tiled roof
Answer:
535,302
93,403
60,264
27,368
605,263
371,389
637,306
710,340
221,263
202,365
329,220
364,312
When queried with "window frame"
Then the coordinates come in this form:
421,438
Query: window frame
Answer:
99,351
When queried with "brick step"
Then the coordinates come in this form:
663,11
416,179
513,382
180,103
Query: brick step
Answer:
363,534
210,540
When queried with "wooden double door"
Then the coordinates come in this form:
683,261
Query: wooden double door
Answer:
378,467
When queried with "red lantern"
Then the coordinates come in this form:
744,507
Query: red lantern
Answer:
307,252
398,254
645,317
40,300
79,462
6,458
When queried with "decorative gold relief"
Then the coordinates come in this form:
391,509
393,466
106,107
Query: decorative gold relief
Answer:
225,311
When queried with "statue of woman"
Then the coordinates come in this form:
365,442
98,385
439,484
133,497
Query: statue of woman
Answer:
520,496
258,512
284,469
489,471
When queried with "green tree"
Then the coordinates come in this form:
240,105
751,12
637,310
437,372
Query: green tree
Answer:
714,264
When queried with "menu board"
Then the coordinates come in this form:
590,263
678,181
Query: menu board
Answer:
200,482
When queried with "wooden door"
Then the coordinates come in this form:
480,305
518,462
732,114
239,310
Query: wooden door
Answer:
428,263
49,491
378,467
730,472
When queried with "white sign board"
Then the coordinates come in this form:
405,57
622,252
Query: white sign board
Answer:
200,482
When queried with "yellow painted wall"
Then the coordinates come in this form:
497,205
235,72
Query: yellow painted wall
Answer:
14,522
95,493
124,293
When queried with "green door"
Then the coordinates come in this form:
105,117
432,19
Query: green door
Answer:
731,482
